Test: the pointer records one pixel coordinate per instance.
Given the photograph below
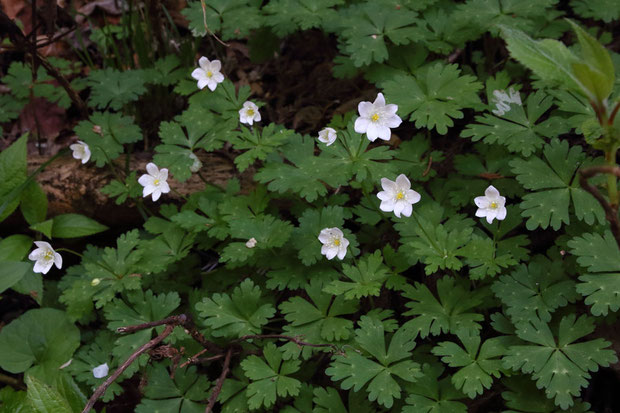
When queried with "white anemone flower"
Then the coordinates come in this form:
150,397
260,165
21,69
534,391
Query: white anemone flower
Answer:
502,101
377,118
251,243
44,257
81,151
327,136
208,74
334,243
101,371
155,182
249,113
491,205
398,196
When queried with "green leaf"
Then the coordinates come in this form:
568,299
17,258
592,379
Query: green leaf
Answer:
234,19
129,189
477,364
357,370
44,227
535,290
517,129
556,182
113,89
367,277
15,247
75,226
312,221
434,96
11,272
448,314
38,343
600,255
259,143
45,399
106,133
270,377
33,203
241,313
560,366
605,10
431,395
13,173
288,16
523,396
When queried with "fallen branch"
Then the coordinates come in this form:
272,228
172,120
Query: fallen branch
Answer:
611,212
220,381
175,319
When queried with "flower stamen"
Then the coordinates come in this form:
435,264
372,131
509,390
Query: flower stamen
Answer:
375,117
493,205
400,195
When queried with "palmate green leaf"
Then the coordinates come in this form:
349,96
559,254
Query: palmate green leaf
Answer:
13,170
601,286
435,95
234,19
106,133
367,277
311,222
287,16
259,143
535,290
413,158
484,258
113,89
477,363
182,393
38,343
241,313
294,276
123,190
270,377
308,175
10,107
580,113
166,71
365,29
433,240
327,400
605,10
19,80
357,370
192,130
318,319
561,366
431,395
450,313
557,184
517,129
171,244
522,396
268,231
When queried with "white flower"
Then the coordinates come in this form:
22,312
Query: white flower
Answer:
44,257
377,118
101,371
208,74
196,165
334,243
80,151
155,182
251,243
249,113
95,282
491,205
502,100
398,196
327,136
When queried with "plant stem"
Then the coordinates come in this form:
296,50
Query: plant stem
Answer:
612,181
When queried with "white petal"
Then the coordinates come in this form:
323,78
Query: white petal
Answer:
148,190
146,180
365,109
44,245
412,196
380,100
211,84
164,187
481,212
361,125
324,236
481,201
152,169
58,260
257,117
387,205
390,109
330,253
202,83
216,66
337,232
36,254
203,62
198,74
399,207
156,194
101,371
384,132
218,77
342,251
491,215
389,186
407,209
501,213
393,121
42,266
384,195
403,182
163,174
373,131
86,154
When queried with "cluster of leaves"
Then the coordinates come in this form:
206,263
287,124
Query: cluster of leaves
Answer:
425,313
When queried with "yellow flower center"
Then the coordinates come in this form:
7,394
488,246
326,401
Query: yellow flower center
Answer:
493,205
375,117
337,242
400,195
156,182
250,112
209,73
49,255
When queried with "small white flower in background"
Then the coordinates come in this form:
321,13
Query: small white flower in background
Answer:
334,243
155,182
208,74
101,371
196,165
502,100
80,151
491,205
44,257
95,282
249,113
327,136
398,196
377,118
251,243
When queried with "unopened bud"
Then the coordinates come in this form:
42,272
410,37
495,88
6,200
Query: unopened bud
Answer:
95,282
251,243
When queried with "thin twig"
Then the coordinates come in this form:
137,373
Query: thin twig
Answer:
428,167
175,319
296,340
220,382
611,212
12,381
103,387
